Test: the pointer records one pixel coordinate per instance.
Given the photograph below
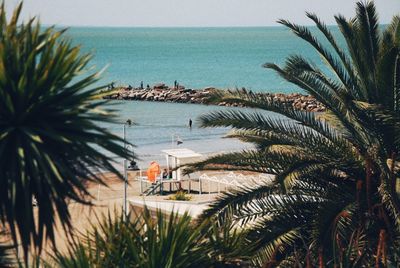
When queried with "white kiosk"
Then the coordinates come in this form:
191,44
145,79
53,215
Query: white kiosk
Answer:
177,158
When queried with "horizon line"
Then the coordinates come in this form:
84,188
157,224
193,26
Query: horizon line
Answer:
194,26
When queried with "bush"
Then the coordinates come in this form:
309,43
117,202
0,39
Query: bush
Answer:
180,196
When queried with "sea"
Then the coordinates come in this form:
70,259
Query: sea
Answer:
196,58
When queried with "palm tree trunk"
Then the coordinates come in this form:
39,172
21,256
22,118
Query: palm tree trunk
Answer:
320,258
359,186
381,250
308,259
368,167
393,194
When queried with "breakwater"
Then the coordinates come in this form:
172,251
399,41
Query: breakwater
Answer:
163,93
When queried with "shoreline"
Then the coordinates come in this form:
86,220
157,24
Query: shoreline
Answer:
179,94
206,147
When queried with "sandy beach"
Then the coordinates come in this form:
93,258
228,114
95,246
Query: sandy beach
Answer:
110,199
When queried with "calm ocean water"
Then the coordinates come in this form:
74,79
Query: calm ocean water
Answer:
196,58
160,125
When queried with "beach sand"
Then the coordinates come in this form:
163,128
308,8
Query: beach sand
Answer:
110,199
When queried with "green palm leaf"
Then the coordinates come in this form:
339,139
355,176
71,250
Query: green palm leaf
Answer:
153,239
334,196
49,133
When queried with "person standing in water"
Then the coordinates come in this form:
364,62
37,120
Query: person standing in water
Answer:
190,123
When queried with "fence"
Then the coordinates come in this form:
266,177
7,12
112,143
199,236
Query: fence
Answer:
225,182
200,183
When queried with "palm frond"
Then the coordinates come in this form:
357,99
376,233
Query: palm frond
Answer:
48,130
333,63
336,174
152,239
353,80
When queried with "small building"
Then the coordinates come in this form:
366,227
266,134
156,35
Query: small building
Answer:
178,157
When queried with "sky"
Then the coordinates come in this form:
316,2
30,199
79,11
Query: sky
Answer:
191,13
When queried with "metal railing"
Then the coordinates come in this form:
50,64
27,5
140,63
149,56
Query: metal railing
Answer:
232,181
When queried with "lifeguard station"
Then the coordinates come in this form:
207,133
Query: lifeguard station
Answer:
178,157
175,158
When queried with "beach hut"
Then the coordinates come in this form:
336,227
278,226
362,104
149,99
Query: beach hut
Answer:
178,157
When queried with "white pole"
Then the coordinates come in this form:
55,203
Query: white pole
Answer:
140,179
200,184
125,191
168,168
125,177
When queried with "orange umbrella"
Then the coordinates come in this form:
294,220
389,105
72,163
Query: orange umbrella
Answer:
153,171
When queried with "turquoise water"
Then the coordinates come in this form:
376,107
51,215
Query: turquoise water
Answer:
159,125
196,58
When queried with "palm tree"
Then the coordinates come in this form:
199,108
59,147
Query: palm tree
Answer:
153,240
50,142
333,200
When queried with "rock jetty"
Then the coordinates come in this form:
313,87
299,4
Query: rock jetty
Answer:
162,93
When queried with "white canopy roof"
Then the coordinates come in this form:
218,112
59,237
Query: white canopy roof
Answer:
181,153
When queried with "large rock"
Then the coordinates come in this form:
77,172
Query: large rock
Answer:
159,86
161,92
150,96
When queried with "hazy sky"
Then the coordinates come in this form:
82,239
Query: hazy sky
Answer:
191,12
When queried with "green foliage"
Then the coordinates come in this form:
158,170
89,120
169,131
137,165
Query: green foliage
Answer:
77,257
50,142
333,200
180,196
229,245
154,241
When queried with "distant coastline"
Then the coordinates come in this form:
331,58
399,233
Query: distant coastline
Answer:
179,94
